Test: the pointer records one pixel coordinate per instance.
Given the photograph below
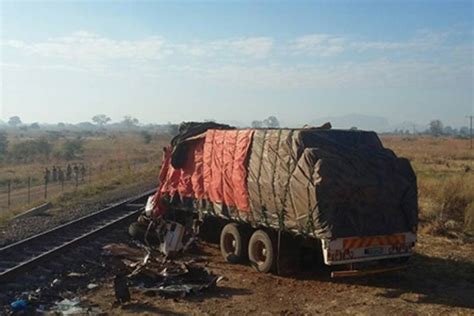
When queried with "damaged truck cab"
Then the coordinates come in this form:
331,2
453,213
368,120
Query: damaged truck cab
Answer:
338,190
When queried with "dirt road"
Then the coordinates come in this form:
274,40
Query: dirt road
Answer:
439,281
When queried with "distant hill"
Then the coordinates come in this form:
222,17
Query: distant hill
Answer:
364,122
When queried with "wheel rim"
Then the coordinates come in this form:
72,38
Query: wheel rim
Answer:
229,243
259,251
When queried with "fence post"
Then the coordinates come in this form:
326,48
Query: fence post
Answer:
29,190
9,183
77,179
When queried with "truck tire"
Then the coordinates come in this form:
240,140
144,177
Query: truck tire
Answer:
233,243
262,252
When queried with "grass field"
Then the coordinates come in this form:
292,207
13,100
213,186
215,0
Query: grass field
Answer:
112,160
445,172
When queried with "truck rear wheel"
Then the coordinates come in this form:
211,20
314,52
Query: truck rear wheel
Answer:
233,243
261,252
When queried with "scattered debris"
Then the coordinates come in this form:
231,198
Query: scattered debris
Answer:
124,251
122,294
154,273
92,286
69,307
19,305
75,274
55,282
183,287
74,307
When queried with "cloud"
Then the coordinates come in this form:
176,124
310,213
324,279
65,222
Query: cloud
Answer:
252,46
85,46
318,44
366,75
423,40
326,45
258,61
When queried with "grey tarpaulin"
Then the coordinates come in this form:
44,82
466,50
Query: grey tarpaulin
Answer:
330,183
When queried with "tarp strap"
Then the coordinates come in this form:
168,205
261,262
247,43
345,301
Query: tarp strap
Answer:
274,167
263,210
287,186
309,220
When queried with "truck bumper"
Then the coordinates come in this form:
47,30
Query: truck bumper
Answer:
355,273
365,249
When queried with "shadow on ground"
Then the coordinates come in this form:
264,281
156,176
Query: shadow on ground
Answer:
436,281
147,308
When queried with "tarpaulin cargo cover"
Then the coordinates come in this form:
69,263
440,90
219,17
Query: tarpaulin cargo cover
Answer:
212,169
322,183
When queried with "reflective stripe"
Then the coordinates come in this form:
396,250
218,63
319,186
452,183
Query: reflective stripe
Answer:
364,242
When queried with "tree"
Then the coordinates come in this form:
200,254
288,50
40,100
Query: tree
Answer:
72,148
172,129
257,124
464,131
436,128
3,143
271,122
101,119
14,121
448,130
146,137
43,147
129,121
35,126
29,150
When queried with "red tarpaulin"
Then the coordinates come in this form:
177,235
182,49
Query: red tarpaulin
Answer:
215,169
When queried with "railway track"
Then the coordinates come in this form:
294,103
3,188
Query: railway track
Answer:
20,256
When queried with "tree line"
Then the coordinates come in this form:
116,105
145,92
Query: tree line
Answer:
38,149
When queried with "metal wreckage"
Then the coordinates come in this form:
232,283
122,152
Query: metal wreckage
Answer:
270,192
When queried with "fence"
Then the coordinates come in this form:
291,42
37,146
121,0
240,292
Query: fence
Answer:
39,188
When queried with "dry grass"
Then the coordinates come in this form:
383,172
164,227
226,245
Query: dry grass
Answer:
445,171
117,160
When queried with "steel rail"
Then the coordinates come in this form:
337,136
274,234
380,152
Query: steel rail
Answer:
18,257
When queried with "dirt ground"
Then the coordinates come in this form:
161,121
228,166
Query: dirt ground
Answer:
439,281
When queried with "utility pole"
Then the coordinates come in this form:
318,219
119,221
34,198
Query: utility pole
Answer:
470,130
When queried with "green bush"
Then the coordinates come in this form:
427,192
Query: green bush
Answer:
71,149
3,144
30,150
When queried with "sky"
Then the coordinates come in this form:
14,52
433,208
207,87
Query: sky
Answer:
65,61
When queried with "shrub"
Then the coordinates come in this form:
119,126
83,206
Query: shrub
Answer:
452,205
30,150
454,198
71,149
146,137
3,144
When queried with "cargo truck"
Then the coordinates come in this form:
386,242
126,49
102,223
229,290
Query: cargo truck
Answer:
339,191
